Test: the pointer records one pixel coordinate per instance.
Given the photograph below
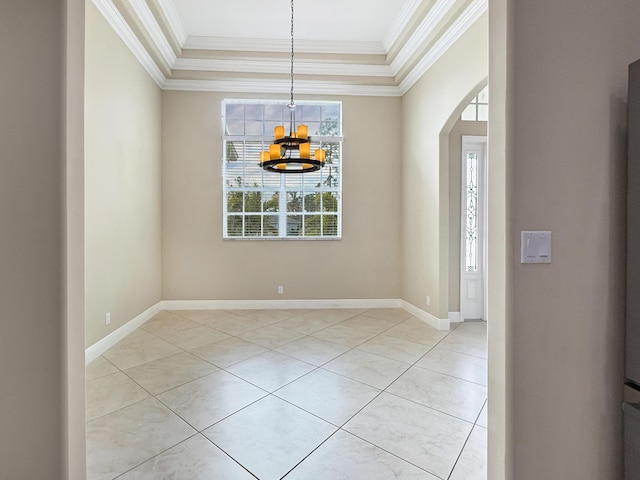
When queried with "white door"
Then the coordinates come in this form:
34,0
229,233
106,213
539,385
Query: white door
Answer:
472,262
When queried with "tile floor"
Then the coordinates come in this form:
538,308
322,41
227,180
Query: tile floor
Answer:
289,394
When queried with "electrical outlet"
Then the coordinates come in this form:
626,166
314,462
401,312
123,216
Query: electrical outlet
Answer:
428,300
280,289
107,318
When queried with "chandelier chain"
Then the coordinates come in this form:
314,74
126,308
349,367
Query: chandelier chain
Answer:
292,52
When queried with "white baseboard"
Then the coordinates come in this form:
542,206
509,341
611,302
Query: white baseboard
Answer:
98,348
278,304
101,346
454,317
435,322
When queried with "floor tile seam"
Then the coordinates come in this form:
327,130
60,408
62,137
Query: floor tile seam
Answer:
430,350
374,353
299,407
484,405
460,332
234,363
162,358
186,383
450,376
177,386
375,334
471,424
228,454
277,346
105,359
396,322
379,356
120,409
317,366
275,350
460,454
154,456
410,366
400,375
314,331
267,391
309,454
350,347
201,430
370,385
155,359
380,390
344,326
93,380
161,335
167,339
363,407
352,379
144,363
130,344
336,343
444,347
468,339
391,453
191,351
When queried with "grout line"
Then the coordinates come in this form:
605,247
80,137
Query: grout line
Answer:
315,368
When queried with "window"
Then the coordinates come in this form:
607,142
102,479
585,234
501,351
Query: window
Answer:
478,108
263,205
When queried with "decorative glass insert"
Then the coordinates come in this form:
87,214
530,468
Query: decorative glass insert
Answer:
260,204
471,217
478,108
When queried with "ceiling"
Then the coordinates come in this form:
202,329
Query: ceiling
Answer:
345,47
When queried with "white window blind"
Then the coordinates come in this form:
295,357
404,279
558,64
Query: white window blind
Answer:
267,205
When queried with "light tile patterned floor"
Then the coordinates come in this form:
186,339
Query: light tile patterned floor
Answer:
340,394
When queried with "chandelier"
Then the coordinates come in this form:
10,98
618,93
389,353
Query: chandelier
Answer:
292,153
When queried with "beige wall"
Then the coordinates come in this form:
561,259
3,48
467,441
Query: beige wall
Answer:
38,306
73,385
455,198
564,154
198,264
426,111
122,174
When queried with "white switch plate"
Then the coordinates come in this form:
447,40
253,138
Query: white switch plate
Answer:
535,247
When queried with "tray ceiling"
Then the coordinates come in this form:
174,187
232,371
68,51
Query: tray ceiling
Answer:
347,47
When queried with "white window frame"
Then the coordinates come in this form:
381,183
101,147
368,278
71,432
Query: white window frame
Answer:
480,102
283,184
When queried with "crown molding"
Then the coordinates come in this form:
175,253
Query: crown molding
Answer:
173,20
123,30
115,19
282,45
282,66
471,14
408,10
282,87
420,35
150,24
